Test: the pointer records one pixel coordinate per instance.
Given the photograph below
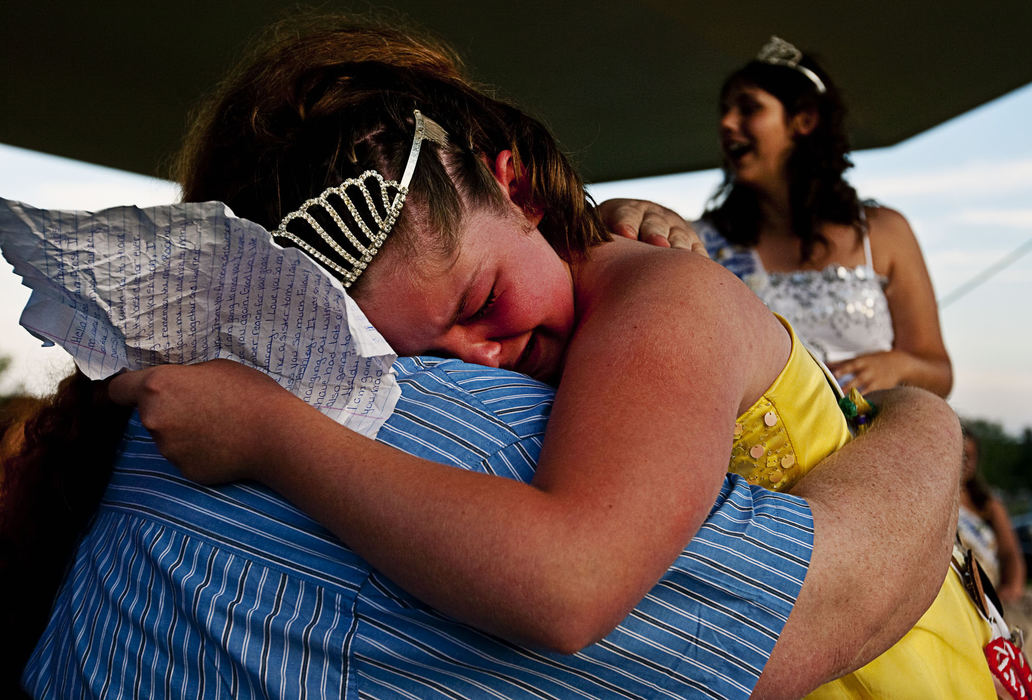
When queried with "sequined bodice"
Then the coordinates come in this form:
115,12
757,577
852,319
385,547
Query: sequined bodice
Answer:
792,426
839,312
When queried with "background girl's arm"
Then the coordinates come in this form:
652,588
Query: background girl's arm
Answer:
633,459
1012,562
918,356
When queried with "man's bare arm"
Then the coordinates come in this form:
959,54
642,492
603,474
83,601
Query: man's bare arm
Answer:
885,511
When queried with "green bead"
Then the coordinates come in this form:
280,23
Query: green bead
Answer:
848,407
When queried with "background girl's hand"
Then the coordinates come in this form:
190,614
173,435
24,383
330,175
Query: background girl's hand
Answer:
651,223
206,418
879,370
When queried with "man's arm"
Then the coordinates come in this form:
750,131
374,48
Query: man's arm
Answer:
885,510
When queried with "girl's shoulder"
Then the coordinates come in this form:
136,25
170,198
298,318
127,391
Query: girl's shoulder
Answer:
681,304
891,237
623,267
885,221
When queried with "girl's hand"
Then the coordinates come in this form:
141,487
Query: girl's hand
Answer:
651,223
879,370
919,357
209,419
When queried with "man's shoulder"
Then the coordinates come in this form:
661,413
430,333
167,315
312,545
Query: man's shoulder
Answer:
463,414
483,387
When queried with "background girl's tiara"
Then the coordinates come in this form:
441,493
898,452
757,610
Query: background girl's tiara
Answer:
779,52
345,226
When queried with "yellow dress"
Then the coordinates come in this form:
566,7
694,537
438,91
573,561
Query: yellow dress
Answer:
796,423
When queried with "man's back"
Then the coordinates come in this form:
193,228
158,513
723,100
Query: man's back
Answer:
182,591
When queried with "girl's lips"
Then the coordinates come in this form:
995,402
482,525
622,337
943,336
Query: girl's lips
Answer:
534,361
736,149
527,361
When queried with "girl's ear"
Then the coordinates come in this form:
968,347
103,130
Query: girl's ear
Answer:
805,122
505,172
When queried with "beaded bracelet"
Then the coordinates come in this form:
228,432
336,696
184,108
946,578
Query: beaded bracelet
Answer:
858,410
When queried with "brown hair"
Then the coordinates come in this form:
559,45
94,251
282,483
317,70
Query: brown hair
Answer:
976,485
818,190
319,105
55,460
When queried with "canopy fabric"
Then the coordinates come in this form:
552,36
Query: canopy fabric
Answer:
629,87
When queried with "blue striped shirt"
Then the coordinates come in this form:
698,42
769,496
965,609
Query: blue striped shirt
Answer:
180,590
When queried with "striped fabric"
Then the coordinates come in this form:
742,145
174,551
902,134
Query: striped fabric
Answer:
182,591
738,259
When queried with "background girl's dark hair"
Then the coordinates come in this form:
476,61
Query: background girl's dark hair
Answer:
818,192
977,487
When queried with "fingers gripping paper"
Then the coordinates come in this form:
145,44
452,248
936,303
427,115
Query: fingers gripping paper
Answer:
127,288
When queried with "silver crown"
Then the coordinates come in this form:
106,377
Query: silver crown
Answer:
779,52
359,213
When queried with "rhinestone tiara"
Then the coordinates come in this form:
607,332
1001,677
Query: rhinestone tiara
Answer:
345,226
779,52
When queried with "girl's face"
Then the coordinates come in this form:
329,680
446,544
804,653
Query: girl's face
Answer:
757,136
503,299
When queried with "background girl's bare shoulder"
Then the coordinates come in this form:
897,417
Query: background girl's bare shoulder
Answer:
892,239
886,221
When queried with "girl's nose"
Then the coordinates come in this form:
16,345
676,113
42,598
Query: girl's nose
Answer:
729,122
484,352
472,345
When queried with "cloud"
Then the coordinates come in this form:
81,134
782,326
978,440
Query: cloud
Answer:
51,182
979,177
1009,218
99,194
982,393
975,259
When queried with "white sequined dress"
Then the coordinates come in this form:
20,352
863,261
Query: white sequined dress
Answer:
839,312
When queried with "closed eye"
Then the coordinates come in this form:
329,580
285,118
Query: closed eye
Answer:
480,313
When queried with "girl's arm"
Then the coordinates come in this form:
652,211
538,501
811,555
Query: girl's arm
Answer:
918,356
635,454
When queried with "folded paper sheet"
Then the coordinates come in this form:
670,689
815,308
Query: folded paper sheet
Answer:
127,288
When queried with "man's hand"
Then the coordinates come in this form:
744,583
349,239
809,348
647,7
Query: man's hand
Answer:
649,222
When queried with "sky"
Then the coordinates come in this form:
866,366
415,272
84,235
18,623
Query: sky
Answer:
965,186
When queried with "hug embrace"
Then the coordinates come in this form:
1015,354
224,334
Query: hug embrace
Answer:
548,510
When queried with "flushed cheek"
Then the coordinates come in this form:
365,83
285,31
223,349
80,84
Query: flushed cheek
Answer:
554,303
519,313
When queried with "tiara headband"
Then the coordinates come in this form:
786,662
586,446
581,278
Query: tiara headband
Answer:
779,52
352,220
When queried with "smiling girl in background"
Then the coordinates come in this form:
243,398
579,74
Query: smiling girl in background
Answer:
848,275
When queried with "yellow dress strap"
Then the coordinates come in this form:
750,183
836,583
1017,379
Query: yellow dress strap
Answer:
794,425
